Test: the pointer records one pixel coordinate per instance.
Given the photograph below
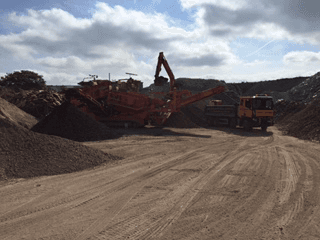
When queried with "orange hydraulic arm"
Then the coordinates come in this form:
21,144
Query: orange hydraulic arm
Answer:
163,60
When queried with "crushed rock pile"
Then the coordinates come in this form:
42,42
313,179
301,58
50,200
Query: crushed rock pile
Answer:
297,98
26,154
279,86
196,85
180,120
38,103
16,115
195,115
69,122
307,90
303,121
285,109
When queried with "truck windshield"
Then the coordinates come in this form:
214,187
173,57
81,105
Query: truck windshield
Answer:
262,104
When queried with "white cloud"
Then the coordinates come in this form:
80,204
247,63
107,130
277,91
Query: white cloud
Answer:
295,20
302,58
117,40
66,64
230,4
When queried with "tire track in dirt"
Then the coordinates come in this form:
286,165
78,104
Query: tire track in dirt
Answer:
158,228
234,173
183,201
81,197
290,194
41,191
303,218
292,190
290,175
42,209
78,200
253,201
98,186
135,184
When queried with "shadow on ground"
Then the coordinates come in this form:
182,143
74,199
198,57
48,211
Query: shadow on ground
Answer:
241,132
154,131
165,131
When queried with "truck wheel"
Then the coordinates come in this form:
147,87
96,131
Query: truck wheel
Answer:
263,128
233,123
246,125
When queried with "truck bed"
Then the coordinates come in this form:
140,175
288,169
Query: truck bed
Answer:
221,111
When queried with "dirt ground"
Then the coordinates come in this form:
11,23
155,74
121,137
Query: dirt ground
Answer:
174,183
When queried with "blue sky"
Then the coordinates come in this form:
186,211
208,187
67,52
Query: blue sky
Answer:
231,40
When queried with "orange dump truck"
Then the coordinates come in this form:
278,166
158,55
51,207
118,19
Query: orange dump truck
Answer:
252,111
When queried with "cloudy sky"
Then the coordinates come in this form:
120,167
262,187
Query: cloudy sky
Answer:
231,40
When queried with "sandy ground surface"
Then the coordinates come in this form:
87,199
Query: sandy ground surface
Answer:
176,184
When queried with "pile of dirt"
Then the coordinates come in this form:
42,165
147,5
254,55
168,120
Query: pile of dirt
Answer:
297,98
16,115
26,154
303,121
196,85
307,90
180,120
195,115
285,109
69,122
279,85
38,103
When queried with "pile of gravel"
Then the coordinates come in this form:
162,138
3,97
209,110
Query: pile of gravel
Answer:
180,120
16,115
307,90
26,154
69,122
303,121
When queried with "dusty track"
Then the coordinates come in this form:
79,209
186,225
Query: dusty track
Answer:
179,184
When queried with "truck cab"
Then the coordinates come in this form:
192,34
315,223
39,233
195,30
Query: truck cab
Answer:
256,111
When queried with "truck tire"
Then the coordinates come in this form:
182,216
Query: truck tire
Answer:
233,123
246,125
263,128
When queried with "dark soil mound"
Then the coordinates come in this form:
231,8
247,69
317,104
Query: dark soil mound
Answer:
304,124
280,85
285,109
195,114
25,154
69,122
179,120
